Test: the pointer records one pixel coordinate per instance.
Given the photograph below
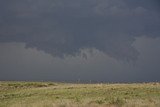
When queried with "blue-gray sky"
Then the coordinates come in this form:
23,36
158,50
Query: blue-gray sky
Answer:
70,40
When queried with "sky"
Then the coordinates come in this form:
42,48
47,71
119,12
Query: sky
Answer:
80,40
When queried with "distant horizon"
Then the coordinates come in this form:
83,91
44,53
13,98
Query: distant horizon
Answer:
83,81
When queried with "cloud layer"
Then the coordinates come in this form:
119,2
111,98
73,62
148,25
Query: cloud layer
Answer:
61,27
19,63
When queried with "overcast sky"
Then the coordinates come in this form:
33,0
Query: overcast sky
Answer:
80,40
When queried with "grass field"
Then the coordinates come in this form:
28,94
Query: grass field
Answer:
49,94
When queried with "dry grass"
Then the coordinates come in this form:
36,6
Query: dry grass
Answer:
48,94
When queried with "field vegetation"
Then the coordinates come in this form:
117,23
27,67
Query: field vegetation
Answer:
50,94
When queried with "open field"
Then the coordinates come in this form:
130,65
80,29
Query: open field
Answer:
49,94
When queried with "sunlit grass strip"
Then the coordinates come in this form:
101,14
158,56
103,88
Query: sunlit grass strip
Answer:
49,94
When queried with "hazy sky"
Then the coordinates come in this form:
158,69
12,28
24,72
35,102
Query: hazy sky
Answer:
86,40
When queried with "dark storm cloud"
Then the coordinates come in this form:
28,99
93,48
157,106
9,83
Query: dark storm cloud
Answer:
64,27
20,63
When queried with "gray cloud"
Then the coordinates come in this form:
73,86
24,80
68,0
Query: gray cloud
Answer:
67,27
20,63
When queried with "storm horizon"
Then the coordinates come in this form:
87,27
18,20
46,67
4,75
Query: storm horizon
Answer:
80,40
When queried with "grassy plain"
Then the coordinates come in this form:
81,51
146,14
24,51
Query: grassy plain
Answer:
50,94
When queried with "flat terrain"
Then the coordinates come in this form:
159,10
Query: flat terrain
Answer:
50,94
